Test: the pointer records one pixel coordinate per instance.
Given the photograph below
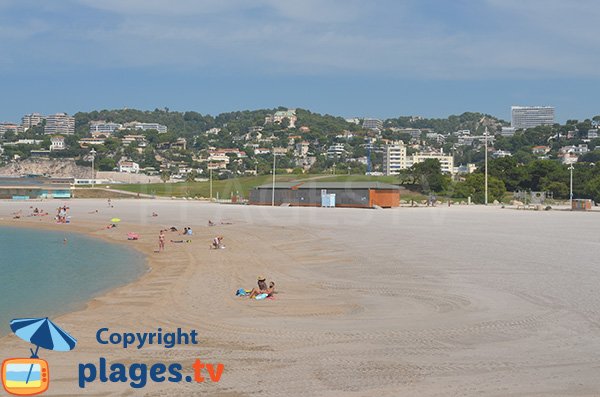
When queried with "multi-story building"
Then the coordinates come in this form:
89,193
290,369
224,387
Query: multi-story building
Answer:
531,116
576,150
373,124
136,125
446,162
592,134
9,127
31,120
394,158
302,148
104,127
336,150
59,123
508,131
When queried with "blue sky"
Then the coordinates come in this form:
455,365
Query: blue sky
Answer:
345,57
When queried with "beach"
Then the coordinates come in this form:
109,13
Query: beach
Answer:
466,301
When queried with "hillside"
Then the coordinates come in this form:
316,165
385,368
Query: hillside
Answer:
62,168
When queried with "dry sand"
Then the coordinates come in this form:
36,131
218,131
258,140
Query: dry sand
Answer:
418,302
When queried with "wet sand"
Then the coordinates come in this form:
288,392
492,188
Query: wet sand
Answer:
412,301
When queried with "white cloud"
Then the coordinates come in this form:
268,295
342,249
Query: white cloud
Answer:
532,38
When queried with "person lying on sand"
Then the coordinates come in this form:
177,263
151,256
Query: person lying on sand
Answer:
181,241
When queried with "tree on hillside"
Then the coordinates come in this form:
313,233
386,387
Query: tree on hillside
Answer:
428,175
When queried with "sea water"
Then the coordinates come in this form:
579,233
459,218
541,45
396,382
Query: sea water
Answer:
41,275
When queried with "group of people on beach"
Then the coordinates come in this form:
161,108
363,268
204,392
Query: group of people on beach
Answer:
62,214
262,291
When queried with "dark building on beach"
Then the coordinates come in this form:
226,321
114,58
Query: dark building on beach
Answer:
319,194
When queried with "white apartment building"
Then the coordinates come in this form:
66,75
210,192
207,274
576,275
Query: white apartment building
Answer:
446,162
136,125
59,123
31,120
336,150
531,116
395,159
104,127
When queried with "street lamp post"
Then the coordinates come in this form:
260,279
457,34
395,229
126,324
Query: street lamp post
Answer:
571,168
273,189
93,154
210,182
486,166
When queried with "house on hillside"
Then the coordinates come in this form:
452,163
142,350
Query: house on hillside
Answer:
57,142
128,166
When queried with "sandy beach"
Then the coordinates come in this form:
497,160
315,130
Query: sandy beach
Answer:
459,301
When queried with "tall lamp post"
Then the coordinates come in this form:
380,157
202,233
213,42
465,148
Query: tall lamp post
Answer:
273,188
210,182
486,166
93,154
571,168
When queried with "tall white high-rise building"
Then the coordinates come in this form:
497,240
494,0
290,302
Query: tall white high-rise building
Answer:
531,116
59,123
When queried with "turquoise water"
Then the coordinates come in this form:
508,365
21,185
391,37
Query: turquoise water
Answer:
42,277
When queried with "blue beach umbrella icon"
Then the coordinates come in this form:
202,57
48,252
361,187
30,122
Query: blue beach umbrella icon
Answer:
42,333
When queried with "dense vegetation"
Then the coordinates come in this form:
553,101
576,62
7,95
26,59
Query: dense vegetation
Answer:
524,170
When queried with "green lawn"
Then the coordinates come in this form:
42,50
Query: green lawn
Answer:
237,186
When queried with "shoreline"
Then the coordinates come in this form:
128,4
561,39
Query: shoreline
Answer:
82,305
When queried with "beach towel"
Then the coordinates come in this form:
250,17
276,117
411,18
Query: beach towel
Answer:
242,292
